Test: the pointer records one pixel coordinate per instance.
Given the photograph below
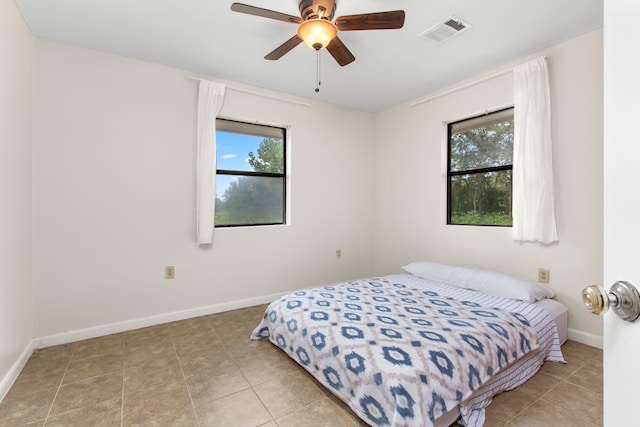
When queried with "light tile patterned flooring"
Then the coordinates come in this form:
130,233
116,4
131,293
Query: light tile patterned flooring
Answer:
206,372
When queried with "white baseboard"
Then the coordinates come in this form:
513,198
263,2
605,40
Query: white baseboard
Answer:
127,325
585,338
14,371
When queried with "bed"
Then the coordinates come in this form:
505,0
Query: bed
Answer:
405,350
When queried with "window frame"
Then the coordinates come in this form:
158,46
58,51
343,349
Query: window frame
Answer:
451,174
239,124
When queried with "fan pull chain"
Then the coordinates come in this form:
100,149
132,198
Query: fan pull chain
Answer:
318,83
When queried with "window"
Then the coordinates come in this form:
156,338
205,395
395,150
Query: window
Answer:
480,168
250,174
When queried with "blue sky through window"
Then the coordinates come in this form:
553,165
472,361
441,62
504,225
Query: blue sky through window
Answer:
232,153
233,150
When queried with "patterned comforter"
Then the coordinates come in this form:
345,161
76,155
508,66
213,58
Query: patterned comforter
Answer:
397,354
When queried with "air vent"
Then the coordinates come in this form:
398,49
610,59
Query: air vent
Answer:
445,30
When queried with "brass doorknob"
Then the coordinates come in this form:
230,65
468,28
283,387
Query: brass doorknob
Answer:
623,297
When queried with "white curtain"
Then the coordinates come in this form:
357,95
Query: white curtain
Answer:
210,99
533,186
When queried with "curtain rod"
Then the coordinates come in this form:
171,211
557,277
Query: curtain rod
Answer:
251,92
464,86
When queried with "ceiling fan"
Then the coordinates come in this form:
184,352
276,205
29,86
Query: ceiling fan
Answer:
318,30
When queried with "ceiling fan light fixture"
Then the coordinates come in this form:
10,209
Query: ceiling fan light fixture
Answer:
317,33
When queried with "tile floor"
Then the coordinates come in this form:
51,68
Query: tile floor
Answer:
206,372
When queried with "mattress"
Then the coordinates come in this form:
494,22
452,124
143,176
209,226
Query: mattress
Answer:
550,328
509,380
291,321
560,315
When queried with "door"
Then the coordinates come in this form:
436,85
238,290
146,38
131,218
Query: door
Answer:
621,340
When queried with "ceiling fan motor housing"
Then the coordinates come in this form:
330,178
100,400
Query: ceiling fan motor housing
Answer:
313,9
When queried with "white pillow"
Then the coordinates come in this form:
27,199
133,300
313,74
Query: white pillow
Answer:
485,281
503,285
442,273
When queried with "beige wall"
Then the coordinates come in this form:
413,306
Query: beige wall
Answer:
16,311
410,181
114,185
114,200
113,189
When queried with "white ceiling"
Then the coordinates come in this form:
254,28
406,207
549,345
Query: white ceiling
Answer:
391,66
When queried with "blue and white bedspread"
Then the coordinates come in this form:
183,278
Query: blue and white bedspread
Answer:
399,350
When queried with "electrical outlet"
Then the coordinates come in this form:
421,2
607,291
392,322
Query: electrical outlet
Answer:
338,253
543,275
169,272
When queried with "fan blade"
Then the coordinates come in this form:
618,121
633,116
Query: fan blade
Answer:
392,20
340,53
265,13
284,48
